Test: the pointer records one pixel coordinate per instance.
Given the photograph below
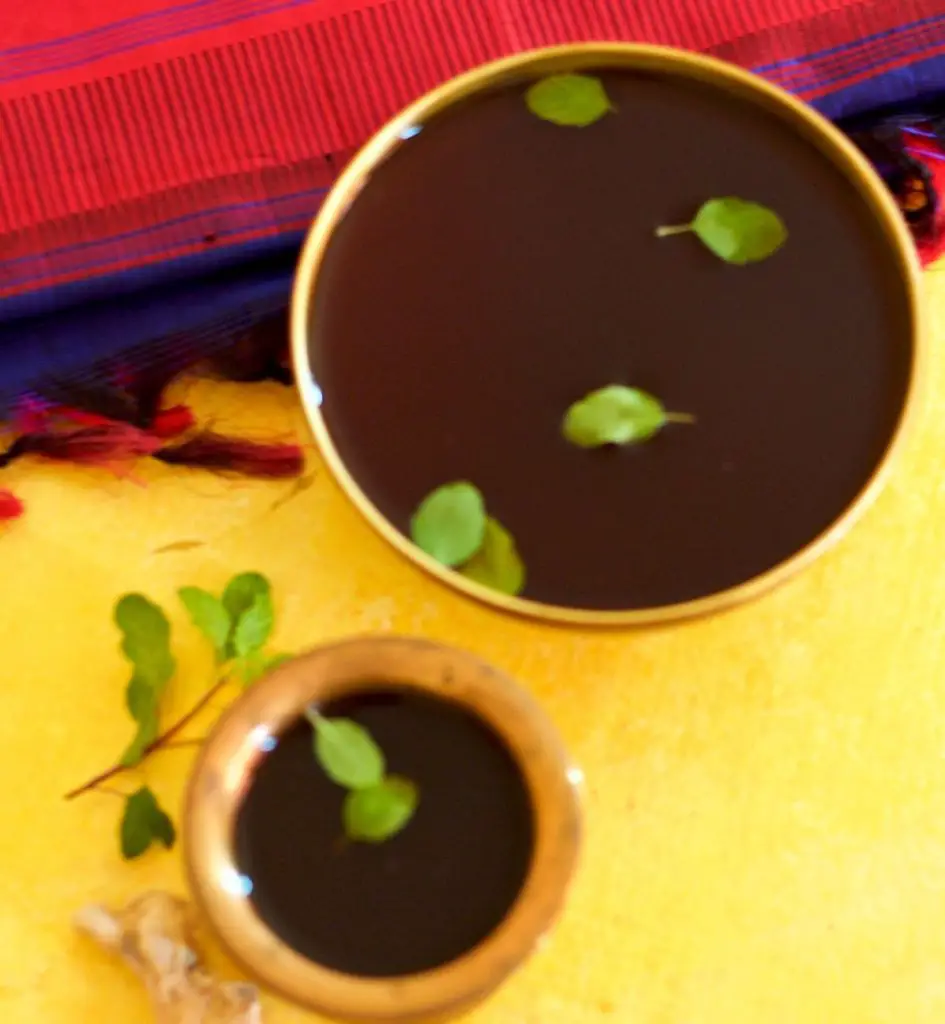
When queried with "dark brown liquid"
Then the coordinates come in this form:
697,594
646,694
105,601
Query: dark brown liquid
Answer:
422,898
497,268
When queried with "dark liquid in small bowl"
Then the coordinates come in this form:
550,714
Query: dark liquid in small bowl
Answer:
496,268
424,897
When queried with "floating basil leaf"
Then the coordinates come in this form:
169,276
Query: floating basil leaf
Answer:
736,230
450,523
379,813
574,101
617,415
497,563
347,752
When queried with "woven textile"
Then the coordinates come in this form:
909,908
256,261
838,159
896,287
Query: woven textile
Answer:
160,163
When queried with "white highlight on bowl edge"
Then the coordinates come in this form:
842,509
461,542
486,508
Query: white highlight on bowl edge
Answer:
235,883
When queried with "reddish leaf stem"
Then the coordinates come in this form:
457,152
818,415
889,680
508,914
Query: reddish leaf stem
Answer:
161,742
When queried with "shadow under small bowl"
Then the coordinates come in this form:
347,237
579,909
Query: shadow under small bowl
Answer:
251,728
750,422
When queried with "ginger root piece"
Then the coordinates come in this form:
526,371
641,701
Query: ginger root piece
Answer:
155,935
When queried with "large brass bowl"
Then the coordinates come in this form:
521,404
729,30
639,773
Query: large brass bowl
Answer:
801,118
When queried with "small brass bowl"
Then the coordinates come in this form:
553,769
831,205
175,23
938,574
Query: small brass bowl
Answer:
802,119
237,744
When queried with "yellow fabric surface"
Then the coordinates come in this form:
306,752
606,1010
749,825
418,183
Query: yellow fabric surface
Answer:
765,790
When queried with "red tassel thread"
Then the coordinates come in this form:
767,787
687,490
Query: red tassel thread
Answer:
116,446
167,423
173,422
111,446
932,244
30,415
10,506
209,450
909,154
81,418
34,416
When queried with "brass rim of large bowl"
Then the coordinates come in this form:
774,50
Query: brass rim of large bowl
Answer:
570,58
238,742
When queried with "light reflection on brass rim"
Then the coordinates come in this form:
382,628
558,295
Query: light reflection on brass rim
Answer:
242,737
801,118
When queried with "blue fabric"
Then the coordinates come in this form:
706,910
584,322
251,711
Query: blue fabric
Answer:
170,315
916,84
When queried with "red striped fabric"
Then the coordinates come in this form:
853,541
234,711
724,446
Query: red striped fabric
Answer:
152,131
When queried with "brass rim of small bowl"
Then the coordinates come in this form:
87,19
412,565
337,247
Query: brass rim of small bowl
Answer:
237,743
553,60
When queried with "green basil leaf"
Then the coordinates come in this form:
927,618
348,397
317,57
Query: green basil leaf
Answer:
736,230
347,752
162,828
242,591
139,697
254,626
209,615
239,597
571,100
144,822
145,702
146,643
497,563
614,415
379,813
739,231
252,667
146,635
450,523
